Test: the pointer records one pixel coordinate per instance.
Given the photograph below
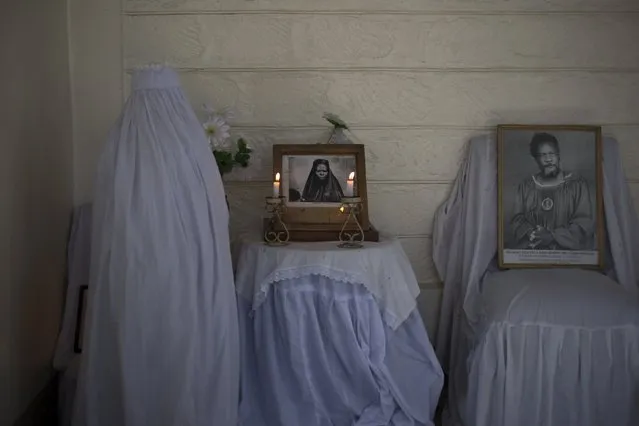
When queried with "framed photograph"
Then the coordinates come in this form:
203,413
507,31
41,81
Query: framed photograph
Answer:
550,196
314,178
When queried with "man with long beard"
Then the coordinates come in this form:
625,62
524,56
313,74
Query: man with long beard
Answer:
553,208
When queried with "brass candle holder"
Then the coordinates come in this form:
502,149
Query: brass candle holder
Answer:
276,233
351,238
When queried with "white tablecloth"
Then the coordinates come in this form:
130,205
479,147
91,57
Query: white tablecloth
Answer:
382,267
317,345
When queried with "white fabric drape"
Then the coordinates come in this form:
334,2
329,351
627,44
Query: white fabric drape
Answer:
465,234
321,340
554,347
465,240
521,349
380,270
78,254
317,352
161,345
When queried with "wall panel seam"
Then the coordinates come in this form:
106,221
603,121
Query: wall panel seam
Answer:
367,127
133,12
265,183
425,182
462,70
355,127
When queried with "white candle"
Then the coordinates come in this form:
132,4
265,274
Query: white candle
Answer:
349,184
276,186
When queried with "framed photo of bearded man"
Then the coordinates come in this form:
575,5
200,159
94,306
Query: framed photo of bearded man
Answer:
550,203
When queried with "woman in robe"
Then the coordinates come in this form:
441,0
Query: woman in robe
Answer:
321,185
161,337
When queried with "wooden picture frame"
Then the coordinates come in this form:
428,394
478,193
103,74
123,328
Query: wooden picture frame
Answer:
550,196
79,322
307,217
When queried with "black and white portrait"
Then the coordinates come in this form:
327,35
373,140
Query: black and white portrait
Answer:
312,180
549,195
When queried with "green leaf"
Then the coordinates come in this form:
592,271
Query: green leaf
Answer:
243,154
242,159
335,120
224,161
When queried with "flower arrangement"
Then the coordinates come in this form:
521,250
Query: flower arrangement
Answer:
227,154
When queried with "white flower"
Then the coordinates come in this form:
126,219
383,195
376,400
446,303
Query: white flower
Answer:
217,130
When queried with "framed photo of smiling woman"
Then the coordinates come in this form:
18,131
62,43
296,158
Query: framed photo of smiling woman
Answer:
550,196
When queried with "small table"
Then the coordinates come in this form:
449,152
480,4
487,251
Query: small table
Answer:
332,336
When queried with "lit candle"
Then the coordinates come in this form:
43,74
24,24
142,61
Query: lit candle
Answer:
349,184
276,186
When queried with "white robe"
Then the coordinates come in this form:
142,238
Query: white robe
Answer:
161,345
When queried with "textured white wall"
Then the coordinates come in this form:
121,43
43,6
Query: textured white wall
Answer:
414,78
36,194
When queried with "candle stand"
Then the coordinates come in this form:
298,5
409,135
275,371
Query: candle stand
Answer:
351,238
276,232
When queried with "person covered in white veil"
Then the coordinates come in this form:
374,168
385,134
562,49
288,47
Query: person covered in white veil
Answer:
161,345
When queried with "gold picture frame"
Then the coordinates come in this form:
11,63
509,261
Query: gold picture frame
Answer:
550,196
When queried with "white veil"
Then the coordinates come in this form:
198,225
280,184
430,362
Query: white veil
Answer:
161,345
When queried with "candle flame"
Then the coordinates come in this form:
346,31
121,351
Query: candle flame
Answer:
277,177
351,176
341,209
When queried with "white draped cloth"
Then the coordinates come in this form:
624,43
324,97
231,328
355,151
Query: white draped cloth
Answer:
322,343
161,344
553,347
384,270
